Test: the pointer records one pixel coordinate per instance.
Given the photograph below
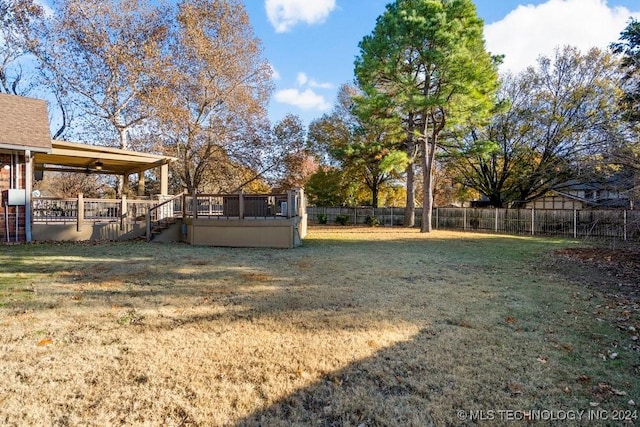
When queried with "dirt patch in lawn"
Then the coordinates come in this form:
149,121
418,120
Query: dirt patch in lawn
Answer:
613,271
614,274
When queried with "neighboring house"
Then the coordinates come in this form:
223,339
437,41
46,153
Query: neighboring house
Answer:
615,192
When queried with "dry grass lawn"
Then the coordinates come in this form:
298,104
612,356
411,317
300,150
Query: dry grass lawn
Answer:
359,327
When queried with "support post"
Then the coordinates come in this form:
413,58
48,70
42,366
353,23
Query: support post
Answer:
194,202
28,161
625,225
123,211
148,226
141,184
80,215
241,204
164,179
289,203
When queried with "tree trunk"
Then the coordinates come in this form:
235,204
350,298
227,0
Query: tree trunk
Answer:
410,209
495,200
124,145
375,189
428,161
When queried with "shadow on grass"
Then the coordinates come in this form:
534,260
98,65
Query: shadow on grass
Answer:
412,383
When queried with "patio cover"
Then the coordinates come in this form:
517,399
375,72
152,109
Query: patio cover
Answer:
83,158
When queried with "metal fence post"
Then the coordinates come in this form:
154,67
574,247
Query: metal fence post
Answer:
625,225
496,225
241,204
575,223
464,218
533,221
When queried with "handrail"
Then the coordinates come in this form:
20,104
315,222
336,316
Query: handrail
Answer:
157,208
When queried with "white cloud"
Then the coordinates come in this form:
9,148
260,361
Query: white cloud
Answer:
285,14
302,79
307,100
314,83
530,31
275,74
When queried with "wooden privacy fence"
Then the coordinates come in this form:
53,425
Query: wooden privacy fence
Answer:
619,224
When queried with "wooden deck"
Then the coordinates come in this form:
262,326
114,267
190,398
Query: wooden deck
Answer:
236,220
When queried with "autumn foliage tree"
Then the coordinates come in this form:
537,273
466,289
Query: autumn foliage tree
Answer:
212,89
365,148
289,162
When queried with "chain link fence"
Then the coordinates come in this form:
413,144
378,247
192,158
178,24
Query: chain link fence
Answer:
596,223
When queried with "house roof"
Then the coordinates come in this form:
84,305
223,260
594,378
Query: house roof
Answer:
615,182
74,157
24,124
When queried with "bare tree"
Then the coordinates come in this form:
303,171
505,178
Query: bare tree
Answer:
15,16
97,54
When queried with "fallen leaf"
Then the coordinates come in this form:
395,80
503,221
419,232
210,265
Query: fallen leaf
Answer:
618,392
45,341
583,378
543,359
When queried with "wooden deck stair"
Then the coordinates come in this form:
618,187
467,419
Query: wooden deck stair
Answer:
159,227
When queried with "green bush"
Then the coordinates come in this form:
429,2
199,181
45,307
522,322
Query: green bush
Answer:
342,219
322,218
372,221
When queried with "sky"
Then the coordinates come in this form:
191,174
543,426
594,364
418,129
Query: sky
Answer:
312,44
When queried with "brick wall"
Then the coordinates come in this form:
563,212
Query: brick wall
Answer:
8,214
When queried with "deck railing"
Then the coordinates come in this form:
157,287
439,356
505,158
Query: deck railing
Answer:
52,210
242,206
80,210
